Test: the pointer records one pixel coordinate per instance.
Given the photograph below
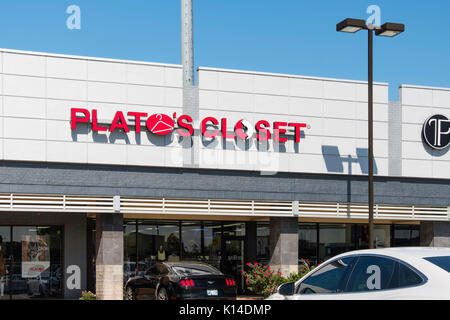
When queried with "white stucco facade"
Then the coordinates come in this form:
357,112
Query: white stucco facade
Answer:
418,104
38,90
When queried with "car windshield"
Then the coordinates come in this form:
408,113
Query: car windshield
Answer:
442,262
195,269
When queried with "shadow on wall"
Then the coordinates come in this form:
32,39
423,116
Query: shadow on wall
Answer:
119,135
434,152
335,162
236,143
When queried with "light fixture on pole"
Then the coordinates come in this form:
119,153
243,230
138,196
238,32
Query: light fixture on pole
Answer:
351,25
390,29
386,30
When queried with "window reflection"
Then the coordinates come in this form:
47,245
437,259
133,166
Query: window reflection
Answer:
30,262
130,250
5,261
168,241
146,247
158,241
403,236
382,235
262,242
146,242
307,242
212,232
335,239
192,240
233,229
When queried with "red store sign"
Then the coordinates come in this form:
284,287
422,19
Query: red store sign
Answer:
162,124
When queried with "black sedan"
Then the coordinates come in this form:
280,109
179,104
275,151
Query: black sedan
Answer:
181,280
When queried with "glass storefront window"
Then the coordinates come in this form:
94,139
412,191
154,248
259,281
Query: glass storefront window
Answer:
307,242
262,242
191,236
54,235
30,262
338,238
222,244
405,235
147,241
234,229
168,241
130,250
158,241
335,239
212,243
5,262
382,236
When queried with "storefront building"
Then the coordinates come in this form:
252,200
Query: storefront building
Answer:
108,166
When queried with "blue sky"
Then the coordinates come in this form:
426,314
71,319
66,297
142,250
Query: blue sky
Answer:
284,36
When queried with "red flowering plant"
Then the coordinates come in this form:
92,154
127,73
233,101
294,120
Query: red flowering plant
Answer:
261,280
258,277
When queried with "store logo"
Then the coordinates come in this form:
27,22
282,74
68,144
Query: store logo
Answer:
436,131
160,124
210,127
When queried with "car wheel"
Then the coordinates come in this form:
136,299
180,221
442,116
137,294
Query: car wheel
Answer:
162,294
130,294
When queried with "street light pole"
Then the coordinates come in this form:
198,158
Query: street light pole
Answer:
386,30
370,134
187,42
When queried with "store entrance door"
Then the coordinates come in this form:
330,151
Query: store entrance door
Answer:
30,262
233,260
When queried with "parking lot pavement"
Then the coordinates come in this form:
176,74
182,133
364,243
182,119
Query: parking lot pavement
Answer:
249,298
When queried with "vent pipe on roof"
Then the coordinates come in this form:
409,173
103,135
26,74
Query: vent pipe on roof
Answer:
187,43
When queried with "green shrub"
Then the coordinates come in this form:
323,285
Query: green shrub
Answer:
87,295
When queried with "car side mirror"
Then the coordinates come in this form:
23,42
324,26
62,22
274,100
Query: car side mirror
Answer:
287,289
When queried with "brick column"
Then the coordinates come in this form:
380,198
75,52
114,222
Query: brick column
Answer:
435,234
109,256
284,245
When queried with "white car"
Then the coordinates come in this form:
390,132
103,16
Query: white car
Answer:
377,274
